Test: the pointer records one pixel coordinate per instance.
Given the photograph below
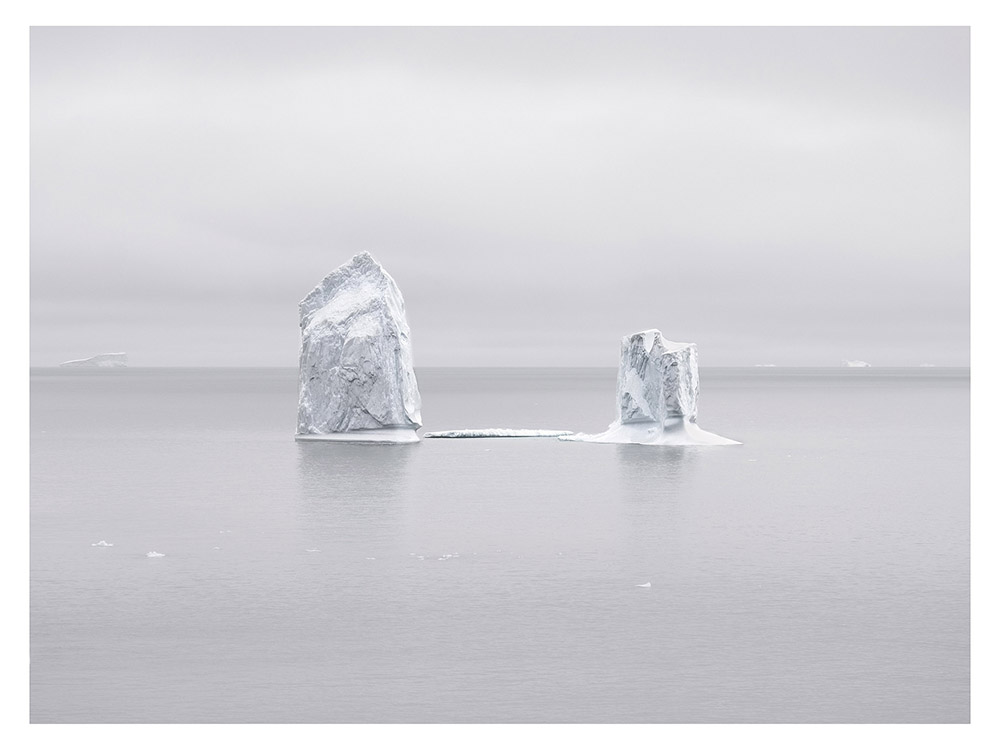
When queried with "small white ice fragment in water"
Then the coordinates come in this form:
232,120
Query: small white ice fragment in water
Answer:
155,554
312,550
369,558
102,543
645,585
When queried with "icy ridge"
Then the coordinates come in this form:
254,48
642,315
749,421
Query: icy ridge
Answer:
496,432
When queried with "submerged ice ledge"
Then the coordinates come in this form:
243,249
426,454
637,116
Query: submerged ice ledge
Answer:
497,432
376,435
672,431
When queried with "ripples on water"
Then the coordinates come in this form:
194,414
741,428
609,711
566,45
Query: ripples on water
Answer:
817,573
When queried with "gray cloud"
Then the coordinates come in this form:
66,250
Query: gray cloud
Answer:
796,196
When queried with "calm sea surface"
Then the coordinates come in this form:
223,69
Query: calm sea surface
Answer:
817,573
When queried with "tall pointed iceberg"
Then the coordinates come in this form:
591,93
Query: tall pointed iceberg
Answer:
657,395
356,379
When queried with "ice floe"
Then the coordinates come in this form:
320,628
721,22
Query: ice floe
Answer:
497,432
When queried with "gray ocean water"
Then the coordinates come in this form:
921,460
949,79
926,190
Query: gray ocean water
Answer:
817,573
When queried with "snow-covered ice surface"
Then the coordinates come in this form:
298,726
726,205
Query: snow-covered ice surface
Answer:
113,359
356,374
658,390
675,431
497,432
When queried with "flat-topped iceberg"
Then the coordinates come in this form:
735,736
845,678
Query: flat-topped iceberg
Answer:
114,359
497,432
658,390
356,379
855,363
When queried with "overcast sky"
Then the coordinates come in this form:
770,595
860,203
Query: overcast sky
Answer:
787,196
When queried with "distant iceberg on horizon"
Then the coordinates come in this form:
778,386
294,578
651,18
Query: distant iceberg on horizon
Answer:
356,379
855,363
658,389
114,359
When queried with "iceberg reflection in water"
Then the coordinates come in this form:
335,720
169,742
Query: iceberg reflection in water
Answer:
819,573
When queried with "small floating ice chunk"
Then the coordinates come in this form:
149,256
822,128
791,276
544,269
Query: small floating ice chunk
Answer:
497,432
155,554
855,363
369,558
102,543
312,550
645,585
